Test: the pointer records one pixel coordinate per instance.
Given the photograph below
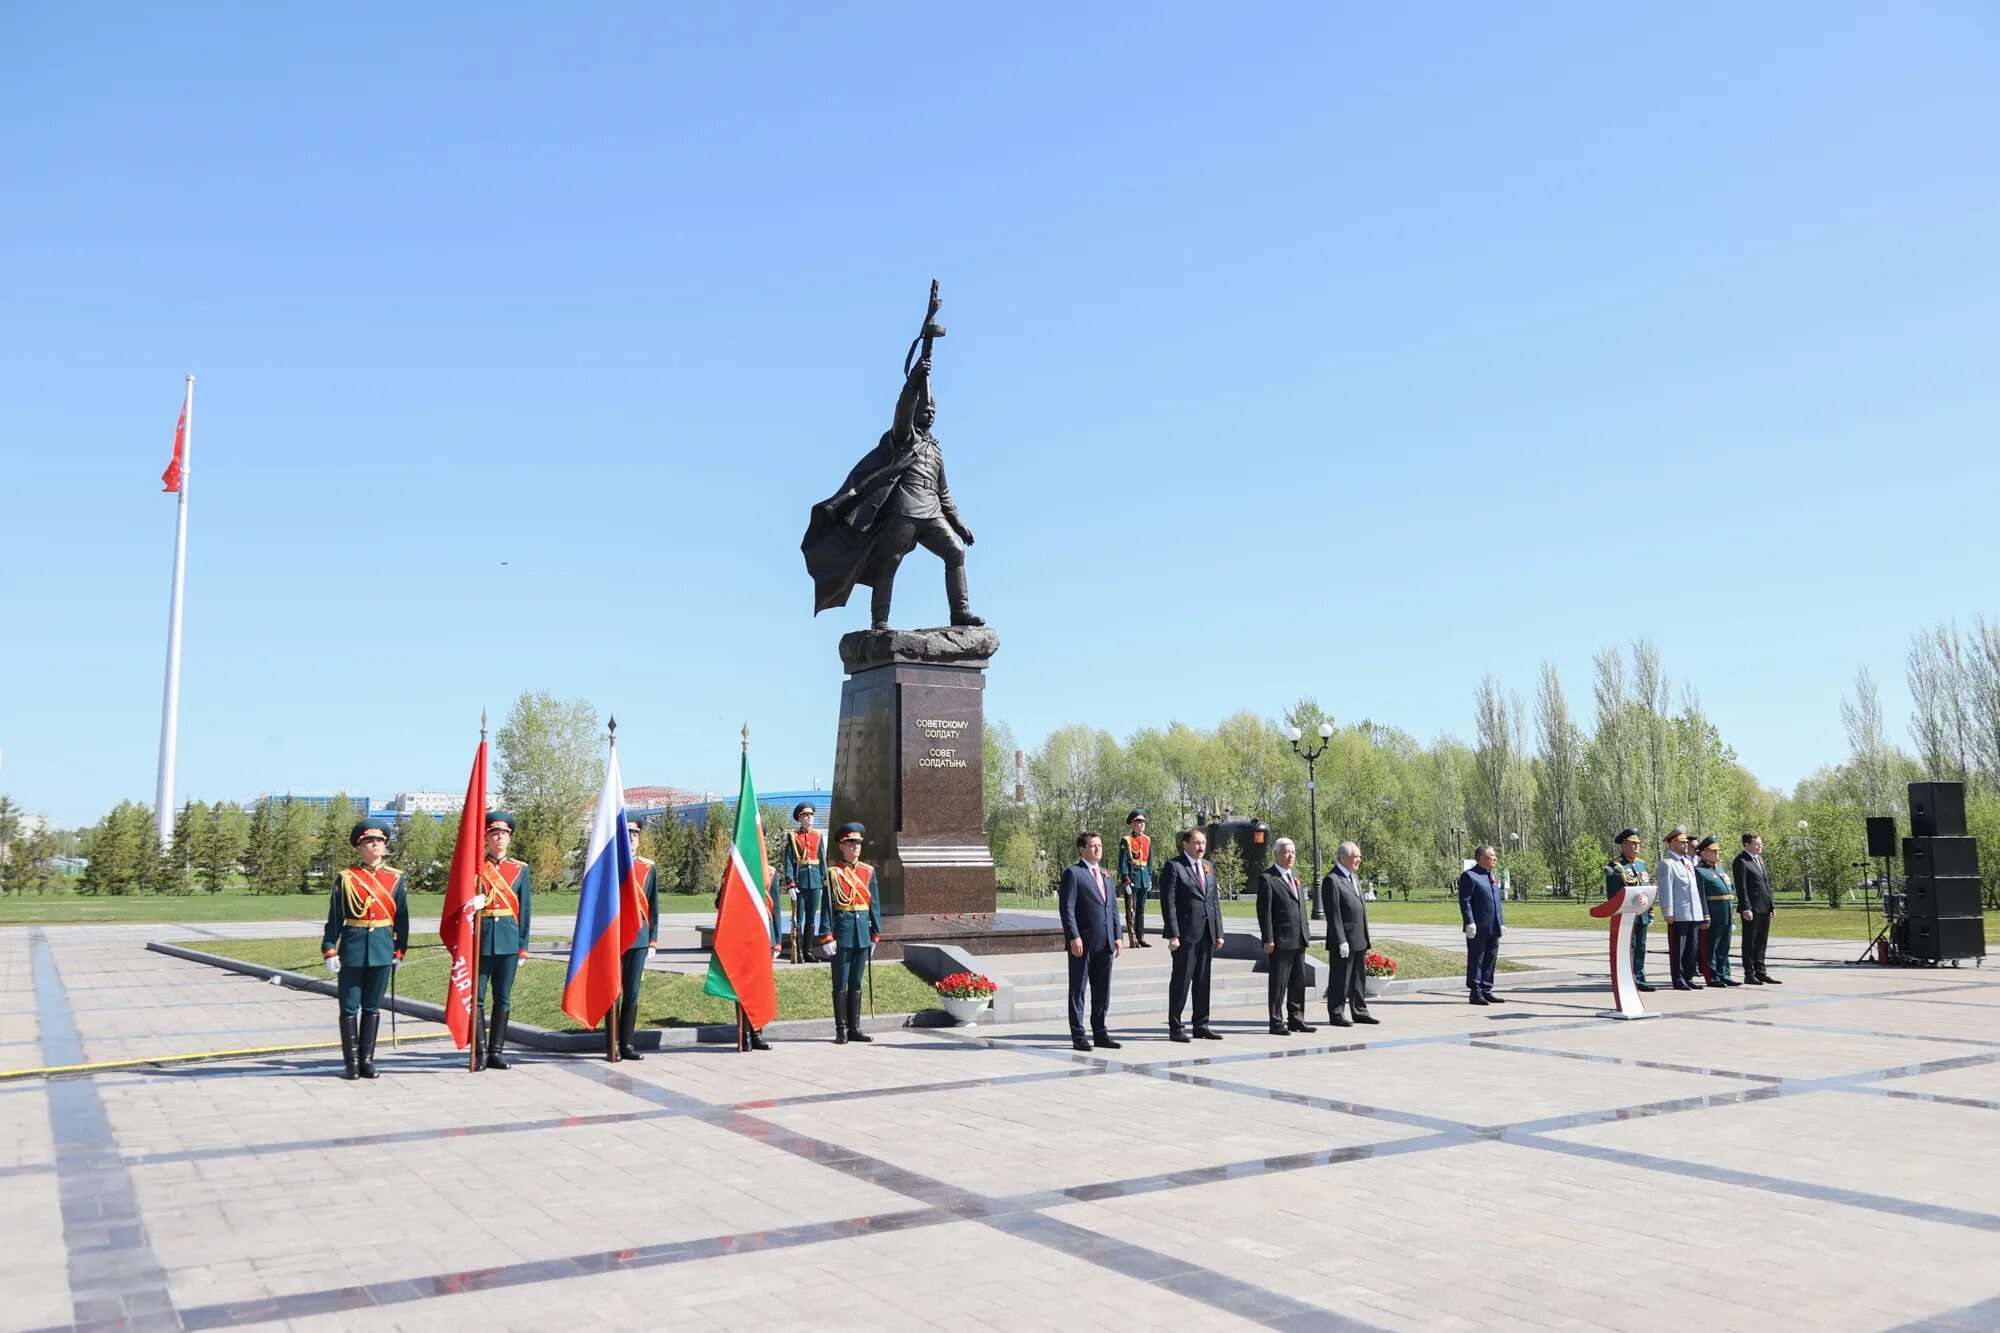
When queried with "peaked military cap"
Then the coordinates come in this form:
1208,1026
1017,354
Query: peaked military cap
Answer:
802,808
1625,833
499,819
1710,841
1677,831
363,829
1136,814
846,829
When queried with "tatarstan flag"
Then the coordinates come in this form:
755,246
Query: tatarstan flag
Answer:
740,969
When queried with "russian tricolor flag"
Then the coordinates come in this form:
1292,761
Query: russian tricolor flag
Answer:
592,986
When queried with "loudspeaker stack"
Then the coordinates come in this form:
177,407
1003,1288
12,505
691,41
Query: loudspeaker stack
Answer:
1941,877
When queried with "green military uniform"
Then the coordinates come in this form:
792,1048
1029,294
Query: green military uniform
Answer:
367,931
1620,874
642,901
854,924
503,938
1135,877
1721,897
804,872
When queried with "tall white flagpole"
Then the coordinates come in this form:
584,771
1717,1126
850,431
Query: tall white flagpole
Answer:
170,708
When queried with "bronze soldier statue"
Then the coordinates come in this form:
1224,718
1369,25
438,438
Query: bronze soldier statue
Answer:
893,501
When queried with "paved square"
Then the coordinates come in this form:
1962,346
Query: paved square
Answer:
1822,1155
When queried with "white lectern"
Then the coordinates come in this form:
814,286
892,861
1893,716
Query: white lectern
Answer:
1632,902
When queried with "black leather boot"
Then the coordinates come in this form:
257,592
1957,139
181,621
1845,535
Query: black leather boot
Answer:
371,1024
496,1040
348,1042
840,1018
628,1024
854,1032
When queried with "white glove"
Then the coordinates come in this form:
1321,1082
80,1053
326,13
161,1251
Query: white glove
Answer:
333,965
478,902
1345,949
832,948
1470,931
395,964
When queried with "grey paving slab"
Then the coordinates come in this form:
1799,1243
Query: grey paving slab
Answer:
1450,1168
1492,1235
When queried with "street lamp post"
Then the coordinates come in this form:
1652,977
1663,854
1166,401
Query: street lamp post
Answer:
1804,844
1311,755
1513,858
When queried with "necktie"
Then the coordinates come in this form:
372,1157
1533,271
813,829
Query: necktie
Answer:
1293,885
1098,876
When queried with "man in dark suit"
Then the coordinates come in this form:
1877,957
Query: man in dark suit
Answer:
1479,907
1754,901
1090,926
1346,938
1193,929
1281,922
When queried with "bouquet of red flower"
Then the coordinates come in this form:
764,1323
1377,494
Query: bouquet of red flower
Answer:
1381,965
966,986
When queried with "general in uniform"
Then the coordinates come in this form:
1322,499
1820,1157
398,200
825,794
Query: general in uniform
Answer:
367,930
1720,895
804,873
508,892
853,925
1135,875
1622,872
642,902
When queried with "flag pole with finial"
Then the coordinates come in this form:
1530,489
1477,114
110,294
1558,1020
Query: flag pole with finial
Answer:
742,1018
476,1047
611,1016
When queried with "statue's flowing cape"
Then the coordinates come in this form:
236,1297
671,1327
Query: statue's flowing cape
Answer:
842,534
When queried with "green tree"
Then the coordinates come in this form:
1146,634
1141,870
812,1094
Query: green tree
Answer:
418,852
550,753
176,866
28,867
219,842
331,851
123,852
281,848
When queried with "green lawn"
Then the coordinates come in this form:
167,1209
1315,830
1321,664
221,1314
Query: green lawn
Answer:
666,1001
68,909
1794,917
1415,962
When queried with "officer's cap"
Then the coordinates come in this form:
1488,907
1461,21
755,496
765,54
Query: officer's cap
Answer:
1136,814
363,829
802,808
632,821
846,829
1710,841
1677,831
499,819
1625,833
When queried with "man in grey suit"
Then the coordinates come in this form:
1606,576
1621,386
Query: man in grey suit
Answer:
1281,921
1346,938
1193,929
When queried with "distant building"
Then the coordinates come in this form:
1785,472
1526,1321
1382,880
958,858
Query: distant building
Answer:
437,804
313,802
29,825
655,799
696,812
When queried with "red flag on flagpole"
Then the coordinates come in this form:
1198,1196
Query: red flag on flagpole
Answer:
459,927
172,476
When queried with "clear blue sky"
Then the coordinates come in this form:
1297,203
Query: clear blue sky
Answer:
1537,327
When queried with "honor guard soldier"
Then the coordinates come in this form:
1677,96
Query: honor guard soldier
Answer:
367,930
1135,875
853,925
804,873
1621,872
642,900
508,889
1720,895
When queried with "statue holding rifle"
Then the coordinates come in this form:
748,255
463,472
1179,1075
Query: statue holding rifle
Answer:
893,501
